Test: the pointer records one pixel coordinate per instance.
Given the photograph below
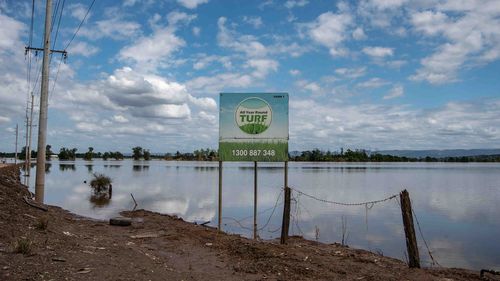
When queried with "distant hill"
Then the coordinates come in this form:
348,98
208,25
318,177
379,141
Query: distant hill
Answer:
440,153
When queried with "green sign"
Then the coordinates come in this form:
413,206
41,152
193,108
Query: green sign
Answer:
253,127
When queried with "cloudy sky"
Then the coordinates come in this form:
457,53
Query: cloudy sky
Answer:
374,74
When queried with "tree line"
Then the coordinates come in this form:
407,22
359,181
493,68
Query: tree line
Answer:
315,155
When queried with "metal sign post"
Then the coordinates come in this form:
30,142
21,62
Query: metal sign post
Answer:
255,200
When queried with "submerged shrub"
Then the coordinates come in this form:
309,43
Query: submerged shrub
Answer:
100,182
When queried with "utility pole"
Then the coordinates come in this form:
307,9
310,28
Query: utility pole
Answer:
26,145
30,134
17,134
42,122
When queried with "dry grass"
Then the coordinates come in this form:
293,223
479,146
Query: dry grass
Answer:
42,223
23,246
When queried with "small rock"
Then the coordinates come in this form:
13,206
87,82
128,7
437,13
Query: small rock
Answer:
208,244
120,221
5,267
83,270
61,259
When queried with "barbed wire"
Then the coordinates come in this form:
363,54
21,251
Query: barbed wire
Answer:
346,204
239,221
434,261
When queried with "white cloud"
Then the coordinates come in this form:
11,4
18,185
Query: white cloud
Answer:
378,52
13,69
429,22
217,83
330,30
292,49
294,72
191,4
468,35
263,67
129,3
256,22
9,33
114,28
247,44
120,118
396,92
387,4
196,31
351,73
174,18
174,111
296,3
152,51
313,87
78,11
359,34
467,124
372,83
380,14
202,61
82,48
4,119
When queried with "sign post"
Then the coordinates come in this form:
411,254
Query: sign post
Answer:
253,127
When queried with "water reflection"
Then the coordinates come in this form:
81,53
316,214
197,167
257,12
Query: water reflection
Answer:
112,166
64,167
457,204
90,168
139,168
100,199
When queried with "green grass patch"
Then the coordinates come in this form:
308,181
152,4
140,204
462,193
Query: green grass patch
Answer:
254,129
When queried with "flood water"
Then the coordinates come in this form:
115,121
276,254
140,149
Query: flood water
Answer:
457,205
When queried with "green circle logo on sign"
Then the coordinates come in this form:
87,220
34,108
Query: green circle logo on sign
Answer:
253,116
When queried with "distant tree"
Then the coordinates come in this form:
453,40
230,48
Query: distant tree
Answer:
105,156
137,152
118,155
67,154
89,154
48,151
22,154
147,154
178,155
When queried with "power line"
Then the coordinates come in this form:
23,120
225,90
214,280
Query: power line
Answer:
58,24
80,25
55,79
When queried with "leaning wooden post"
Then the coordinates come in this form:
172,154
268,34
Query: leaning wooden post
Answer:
255,200
411,240
286,209
220,197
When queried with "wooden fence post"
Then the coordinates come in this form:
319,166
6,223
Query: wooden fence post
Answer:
286,209
286,216
411,240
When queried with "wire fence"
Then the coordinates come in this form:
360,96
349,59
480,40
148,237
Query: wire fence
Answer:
296,214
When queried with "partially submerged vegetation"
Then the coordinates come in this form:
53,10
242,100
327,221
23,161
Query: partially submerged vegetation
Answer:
315,155
100,183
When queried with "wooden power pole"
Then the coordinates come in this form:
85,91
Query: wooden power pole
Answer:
42,121
17,134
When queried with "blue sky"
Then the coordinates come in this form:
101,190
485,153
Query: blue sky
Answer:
375,74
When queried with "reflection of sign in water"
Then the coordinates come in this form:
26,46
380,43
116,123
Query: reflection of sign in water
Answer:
253,127
253,116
